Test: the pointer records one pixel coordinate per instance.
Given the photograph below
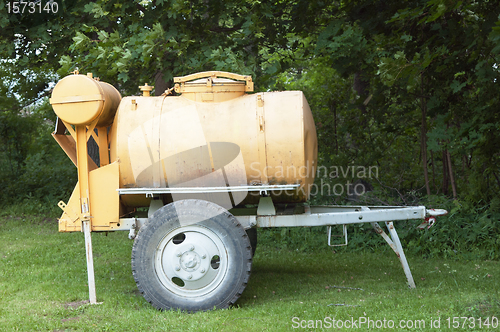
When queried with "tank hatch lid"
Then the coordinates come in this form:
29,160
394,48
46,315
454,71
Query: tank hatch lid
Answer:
215,86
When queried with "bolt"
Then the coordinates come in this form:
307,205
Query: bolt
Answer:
202,270
191,248
177,268
204,256
179,254
190,276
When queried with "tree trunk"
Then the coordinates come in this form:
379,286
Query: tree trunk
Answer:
424,138
160,84
452,180
498,179
334,109
445,172
361,85
433,172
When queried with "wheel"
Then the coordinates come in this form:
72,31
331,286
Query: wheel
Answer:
191,255
252,236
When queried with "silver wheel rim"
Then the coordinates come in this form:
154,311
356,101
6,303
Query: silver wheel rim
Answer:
186,261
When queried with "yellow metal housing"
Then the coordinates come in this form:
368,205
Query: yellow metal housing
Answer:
79,100
176,141
86,106
274,131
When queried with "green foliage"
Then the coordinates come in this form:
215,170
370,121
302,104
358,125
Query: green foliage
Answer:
128,42
368,77
470,232
414,57
467,232
346,42
34,168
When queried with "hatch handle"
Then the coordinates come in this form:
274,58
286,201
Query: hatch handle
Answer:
215,74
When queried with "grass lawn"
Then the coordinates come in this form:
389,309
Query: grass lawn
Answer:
43,286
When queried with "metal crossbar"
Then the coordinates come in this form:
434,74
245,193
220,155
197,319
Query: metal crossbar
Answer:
263,189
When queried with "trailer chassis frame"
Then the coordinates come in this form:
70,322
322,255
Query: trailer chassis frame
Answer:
323,216
266,216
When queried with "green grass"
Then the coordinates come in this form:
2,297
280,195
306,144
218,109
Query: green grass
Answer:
43,280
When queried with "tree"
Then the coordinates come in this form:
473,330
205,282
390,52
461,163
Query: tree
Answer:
436,58
160,39
410,87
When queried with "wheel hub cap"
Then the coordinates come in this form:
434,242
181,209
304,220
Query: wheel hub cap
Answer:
191,261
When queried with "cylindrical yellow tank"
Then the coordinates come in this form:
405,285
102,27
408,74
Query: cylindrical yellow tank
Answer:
80,99
215,135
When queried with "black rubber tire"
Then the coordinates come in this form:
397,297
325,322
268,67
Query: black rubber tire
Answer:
165,223
252,236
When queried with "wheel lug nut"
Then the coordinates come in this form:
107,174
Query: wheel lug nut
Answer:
177,268
190,276
179,254
204,256
192,248
202,270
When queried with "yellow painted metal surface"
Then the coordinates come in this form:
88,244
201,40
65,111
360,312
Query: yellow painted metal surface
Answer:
79,100
274,131
146,89
104,202
213,131
85,104
68,144
213,86
82,165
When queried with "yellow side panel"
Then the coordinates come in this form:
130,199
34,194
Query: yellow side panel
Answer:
104,201
104,197
70,219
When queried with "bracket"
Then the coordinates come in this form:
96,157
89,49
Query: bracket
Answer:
344,234
266,207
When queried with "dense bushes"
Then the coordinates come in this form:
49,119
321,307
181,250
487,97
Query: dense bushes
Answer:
467,232
32,165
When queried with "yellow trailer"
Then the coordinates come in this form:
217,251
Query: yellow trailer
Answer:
194,160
